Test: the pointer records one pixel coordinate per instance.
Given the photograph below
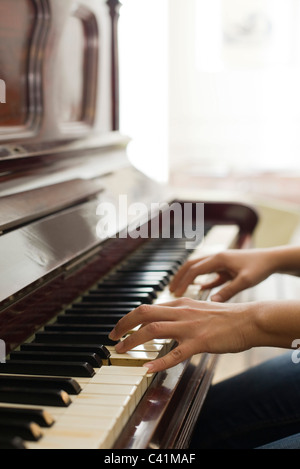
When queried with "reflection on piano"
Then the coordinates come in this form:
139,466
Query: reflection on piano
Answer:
62,288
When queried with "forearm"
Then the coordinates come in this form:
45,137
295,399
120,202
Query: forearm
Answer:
285,259
275,323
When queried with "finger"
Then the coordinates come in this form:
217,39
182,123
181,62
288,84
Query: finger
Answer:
181,273
230,290
206,266
142,315
153,330
173,358
219,280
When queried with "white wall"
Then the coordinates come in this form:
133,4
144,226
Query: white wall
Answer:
186,101
241,113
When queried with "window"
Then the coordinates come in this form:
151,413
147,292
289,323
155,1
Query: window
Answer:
236,102
143,31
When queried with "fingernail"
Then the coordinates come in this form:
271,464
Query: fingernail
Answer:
149,366
119,347
216,298
112,335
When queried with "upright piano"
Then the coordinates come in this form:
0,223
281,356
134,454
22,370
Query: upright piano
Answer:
68,270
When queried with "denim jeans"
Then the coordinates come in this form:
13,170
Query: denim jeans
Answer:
259,408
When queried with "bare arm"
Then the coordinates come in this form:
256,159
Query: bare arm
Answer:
286,259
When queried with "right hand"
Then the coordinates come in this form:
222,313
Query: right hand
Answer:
237,269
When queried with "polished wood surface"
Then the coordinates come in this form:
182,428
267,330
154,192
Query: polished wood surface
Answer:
21,44
54,94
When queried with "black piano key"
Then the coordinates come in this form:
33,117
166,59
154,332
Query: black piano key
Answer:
133,279
163,277
99,297
71,318
138,275
150,291
80,327
47,368
150,249
91,309
29,431
130,305
100,350
160,253
74,338
149,267
141,268
177,257
90,358
111,283
69,385
105,328
12,443
39,416
136,278
39,397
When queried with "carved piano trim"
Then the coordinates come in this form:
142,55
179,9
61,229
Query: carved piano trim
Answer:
33,76
114,8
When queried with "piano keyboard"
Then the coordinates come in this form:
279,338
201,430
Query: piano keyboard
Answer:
68,388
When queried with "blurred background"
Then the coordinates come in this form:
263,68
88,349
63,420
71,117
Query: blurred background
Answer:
210,94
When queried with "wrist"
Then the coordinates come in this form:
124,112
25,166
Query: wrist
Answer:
275,323
285,259
255,332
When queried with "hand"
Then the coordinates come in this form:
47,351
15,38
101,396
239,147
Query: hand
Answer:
196,326
239,269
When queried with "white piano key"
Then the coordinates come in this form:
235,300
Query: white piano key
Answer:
110,389
92,399
139,381
218,238
148,347
132,358
123,370
99,411
108,424
70,438
128,371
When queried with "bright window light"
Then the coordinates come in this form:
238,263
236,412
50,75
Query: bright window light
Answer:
249,33
248,51
143,31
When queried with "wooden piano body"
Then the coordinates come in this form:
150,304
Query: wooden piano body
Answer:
61,157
